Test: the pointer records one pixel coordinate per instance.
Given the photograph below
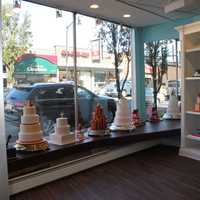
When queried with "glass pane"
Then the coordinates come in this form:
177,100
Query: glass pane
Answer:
39,67
170,74
96,71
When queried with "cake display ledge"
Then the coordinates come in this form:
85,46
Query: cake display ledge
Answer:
142,123
98,132
40,145
130,127
172,116
62,139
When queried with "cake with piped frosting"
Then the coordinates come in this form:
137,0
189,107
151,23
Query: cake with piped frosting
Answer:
122,120
30,128
30,136
173,111
62,133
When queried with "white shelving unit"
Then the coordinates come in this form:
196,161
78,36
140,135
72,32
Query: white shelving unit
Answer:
192,113
192,78
193,50
193,137
190,62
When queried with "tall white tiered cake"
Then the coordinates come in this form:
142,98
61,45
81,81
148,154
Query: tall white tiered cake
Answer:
30,135
62,133
122,119
173,111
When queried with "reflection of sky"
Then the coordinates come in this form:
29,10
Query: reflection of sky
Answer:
49,31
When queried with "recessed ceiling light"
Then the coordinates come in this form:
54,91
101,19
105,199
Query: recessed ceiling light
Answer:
126,15
94,6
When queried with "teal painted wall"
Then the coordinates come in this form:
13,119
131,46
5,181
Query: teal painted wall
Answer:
165,30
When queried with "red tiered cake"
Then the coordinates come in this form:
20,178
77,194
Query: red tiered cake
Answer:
154,115
98,123
136,118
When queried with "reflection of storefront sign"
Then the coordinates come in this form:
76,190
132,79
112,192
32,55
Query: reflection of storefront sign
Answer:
95,50
82,54
34,67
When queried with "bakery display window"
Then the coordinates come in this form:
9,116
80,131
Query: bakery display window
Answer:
40,84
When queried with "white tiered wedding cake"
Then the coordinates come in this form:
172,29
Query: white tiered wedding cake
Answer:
173,108
62,133
30,135
122,119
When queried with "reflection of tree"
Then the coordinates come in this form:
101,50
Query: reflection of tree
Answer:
156,57
16,38
117,39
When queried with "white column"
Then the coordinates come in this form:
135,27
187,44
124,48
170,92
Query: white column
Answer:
4,195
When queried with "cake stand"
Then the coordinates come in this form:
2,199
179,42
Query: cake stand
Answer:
39,145
98,132
130,127
139,124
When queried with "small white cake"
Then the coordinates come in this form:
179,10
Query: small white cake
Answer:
122,118
62,133
173,111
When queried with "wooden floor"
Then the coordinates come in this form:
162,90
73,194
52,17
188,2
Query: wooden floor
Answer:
154,174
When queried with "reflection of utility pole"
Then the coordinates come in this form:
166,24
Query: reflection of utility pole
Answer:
66,48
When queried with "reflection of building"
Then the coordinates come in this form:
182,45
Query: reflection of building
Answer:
31,68
91,74
171,74
94,71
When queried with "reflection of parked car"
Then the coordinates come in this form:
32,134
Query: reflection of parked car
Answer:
111,89
52,99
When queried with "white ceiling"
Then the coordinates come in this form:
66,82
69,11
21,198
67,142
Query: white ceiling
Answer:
143,12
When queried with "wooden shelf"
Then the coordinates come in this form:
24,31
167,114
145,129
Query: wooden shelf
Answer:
193,113
192,78
192,137
193,50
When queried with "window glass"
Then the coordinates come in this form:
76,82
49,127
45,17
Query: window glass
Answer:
100,77
20,94
39,61
167,77
95,62
41,66
83,93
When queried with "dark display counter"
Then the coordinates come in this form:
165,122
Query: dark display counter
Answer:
28,162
